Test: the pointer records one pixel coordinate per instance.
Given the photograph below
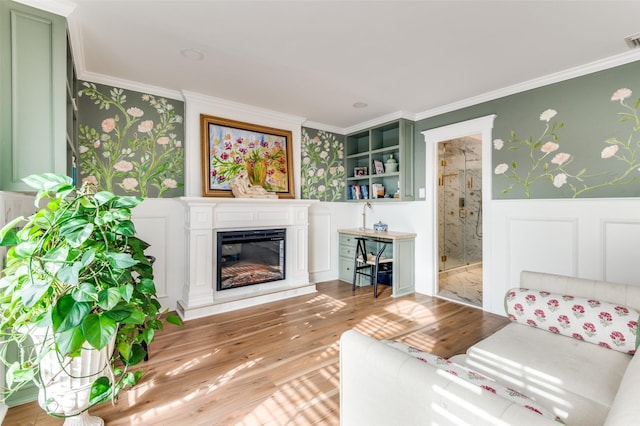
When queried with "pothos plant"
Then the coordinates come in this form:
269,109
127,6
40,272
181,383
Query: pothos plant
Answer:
77,268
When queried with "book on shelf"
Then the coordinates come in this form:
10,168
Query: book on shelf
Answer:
378,167
377,190
364,191
355,192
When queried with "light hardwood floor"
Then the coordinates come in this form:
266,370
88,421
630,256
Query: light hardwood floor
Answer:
276,364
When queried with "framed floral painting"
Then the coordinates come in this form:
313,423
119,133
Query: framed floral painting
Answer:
230,147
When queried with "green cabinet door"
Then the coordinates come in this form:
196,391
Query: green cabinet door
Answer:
32,94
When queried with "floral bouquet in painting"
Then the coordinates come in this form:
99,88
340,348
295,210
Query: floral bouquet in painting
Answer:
262,156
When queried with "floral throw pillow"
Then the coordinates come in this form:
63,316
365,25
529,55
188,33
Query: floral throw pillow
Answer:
485,383
602,323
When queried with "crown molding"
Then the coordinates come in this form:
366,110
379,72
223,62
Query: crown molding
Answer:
129,85
325,127
535,83
237,107
380,120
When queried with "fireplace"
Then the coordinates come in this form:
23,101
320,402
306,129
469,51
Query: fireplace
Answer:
250,257
206,218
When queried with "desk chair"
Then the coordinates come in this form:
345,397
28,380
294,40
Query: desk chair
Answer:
368,265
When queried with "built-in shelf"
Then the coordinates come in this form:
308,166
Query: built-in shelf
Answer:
377,145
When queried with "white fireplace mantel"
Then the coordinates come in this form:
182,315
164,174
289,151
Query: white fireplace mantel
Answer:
207,216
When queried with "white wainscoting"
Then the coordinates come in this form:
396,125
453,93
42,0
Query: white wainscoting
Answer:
596,239
324,221
591,238
12,205
160,222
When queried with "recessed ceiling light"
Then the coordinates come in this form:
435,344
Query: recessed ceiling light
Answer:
360,105
192,54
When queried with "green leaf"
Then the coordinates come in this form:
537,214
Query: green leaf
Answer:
124,348
148,334
100,391
146,286
131,379
70,273
58,254
76,231
9,233
68,313
16,374
85,292
126,291
126,202
104,197
87,257
26,249
121,260
134,317
136,355
99,330
70,341
155,324
120,313
32,293
47,181
174,319
109,298
125,228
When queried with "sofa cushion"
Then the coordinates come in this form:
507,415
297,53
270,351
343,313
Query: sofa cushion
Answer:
577,381
606,324
483,382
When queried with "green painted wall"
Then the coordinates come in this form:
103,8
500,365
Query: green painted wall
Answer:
131,143
600,154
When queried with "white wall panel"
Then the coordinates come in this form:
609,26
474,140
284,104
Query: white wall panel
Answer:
324,221
555,242
320,248
588,238
621,249
160,222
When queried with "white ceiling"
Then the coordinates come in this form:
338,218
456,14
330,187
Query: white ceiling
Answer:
315,59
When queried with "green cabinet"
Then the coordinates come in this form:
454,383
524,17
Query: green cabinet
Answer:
400,248
33,94
346,253
366,162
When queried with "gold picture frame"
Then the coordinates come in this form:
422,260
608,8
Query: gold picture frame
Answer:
230,146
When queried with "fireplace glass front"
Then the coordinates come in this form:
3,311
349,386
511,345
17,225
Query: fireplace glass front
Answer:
250,257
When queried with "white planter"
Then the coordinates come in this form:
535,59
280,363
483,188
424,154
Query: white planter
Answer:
66,383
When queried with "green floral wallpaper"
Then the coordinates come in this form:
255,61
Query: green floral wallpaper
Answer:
322,168
130,142
548,161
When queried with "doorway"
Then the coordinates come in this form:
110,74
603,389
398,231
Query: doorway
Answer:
459,218
478,130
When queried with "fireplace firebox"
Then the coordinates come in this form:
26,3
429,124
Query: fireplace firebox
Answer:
250,257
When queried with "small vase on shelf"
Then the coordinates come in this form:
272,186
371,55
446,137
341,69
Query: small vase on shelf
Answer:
391,165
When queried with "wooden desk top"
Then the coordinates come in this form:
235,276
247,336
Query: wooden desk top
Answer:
368,232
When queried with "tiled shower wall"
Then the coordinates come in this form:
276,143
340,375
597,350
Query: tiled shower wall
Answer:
459,202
